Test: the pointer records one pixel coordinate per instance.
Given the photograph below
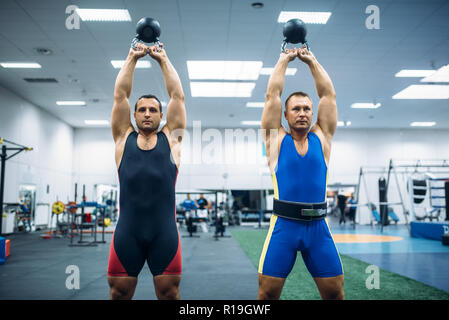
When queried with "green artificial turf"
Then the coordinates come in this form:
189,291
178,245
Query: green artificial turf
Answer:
300,285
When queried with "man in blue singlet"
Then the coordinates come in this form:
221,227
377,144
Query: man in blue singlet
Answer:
298,162
147,161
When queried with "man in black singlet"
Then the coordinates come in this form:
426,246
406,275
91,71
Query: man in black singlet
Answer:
147,163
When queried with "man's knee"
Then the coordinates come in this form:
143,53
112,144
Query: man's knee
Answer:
121,294
268,295
270,288
168,292
331,288
334,294
121,289
167,287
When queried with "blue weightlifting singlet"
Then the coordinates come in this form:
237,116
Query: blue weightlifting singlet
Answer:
300,178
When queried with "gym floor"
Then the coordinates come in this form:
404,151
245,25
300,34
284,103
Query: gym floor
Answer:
212,269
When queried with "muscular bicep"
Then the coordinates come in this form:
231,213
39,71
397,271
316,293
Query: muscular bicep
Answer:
120,117
273,130
176,114
327,115
272,113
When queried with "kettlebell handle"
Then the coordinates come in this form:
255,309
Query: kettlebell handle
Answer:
285,43
136,40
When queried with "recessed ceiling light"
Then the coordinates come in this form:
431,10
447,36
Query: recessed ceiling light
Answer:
96,122
257,5
269,71
255,104
24,65
363,105
222,89
251,123
223,70
441,75
43,51
423,124
307,17
416,91
406,73
103,14
71,103
41,80
141,64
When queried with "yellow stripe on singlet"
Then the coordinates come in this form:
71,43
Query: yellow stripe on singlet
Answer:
267,242
275,185
272,224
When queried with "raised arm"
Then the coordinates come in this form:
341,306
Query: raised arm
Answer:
327,107
121,117
272,111
176,112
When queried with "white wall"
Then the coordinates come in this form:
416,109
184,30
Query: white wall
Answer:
63,156
246,167
50,161
93,161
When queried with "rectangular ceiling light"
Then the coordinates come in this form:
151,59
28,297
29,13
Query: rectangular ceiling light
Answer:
23,65
423,124
441,75
71,103
222,89
307,17
103,14
255,104
141,64
363,105
223,70
96,122
251,123
269,71
417,91
406,73
343,123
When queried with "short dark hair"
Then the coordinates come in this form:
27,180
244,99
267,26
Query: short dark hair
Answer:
297,93
149,96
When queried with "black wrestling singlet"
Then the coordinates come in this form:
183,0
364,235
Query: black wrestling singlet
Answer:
146,229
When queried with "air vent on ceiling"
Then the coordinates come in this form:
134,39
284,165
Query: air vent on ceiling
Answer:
41,80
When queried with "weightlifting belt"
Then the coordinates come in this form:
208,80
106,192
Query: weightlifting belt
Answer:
299,210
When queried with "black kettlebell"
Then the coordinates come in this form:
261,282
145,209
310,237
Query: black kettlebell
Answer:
294,31
147,30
